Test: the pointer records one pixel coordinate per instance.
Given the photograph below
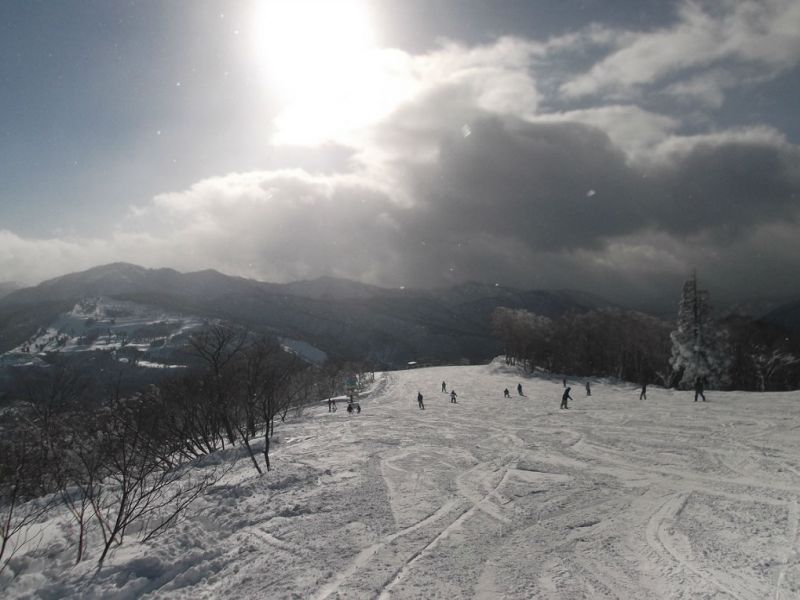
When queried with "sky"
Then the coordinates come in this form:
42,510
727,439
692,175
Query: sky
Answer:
606,146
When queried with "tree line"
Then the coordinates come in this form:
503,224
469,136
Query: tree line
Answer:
732,353
120,462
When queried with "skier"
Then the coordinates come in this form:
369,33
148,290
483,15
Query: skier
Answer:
506,394
643,393
698,389
588,389
444,387
564,381
349,407
453,396
330,405
333,404
565,397
519,389
419,401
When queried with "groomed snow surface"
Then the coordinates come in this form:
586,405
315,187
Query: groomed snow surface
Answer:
486,498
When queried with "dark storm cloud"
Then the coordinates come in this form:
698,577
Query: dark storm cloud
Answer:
561,187
551,186
728,188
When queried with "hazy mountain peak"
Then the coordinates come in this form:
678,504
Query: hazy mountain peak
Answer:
334,288
6,287
102,280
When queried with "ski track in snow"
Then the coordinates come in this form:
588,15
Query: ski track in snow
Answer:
659,538
793,552
480,504
486,498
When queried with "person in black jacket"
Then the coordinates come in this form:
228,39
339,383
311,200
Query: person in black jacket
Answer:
698,389
565,397
419,401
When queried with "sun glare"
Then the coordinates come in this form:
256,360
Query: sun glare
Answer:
320,61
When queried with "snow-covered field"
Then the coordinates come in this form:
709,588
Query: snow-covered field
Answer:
486,498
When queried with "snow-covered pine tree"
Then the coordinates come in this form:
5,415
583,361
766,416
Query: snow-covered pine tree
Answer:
698,345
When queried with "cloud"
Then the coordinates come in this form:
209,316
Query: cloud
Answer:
759,37
466,178
493,78
630,128
707,89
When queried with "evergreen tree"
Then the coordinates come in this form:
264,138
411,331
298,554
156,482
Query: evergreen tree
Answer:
698,346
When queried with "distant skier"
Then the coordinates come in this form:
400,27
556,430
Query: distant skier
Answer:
506,394
444,387
519,389
333,404
564,381
588,389
350,407
643,393
330,405
698,389
565,397
453,396
419,401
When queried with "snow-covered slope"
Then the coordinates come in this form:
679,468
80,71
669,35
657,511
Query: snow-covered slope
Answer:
102,323
486,498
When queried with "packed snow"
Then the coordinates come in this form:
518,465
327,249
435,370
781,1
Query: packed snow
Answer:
489,497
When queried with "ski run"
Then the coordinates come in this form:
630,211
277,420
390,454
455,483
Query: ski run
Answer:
488,497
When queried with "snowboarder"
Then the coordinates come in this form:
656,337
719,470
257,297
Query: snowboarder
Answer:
419,401
519,389
588,389
453,396
444,387
643,393
506,394
698,389
565,397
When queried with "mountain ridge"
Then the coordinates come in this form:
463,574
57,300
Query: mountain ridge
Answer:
347,320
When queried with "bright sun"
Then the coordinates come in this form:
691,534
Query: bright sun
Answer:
321,63
303,42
